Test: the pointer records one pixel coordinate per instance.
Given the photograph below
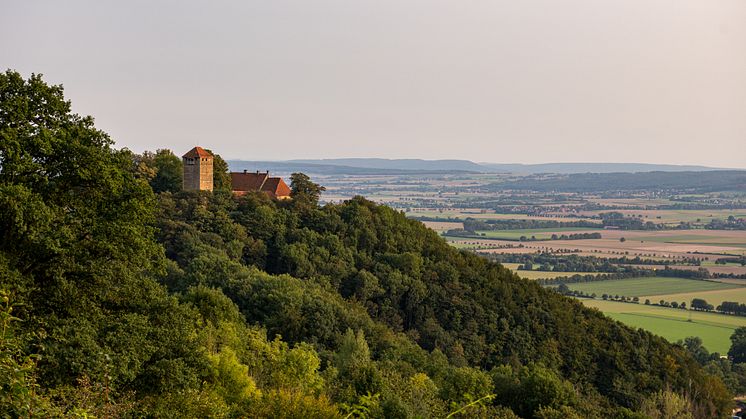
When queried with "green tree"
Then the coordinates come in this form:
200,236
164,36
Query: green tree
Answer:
169,172
354,364
77,244
737,350
221,178
303,189
667,404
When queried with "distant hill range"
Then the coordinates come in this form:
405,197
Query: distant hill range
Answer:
335,169
567,168
366,166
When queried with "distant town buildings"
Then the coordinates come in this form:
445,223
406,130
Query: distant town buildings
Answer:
198,176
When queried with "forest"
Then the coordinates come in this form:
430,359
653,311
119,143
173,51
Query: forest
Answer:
122,296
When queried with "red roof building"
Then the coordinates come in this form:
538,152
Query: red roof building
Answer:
245,182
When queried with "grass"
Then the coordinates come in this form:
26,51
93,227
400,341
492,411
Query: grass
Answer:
649,286
539,233
714,329
696,239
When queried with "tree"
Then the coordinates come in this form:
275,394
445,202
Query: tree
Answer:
303,189
77,247
694,345
700,304
622,240
737,350
63,191
667,404
168,172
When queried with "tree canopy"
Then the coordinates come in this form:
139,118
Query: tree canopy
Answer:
119,301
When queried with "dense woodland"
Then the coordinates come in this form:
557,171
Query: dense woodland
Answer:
124,297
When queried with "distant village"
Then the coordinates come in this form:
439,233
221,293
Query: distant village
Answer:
198,176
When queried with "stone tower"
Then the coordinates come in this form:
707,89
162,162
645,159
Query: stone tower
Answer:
197,170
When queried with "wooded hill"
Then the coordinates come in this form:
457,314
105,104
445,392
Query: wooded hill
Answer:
120,302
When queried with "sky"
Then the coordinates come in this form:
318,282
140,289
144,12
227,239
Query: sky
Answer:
529,81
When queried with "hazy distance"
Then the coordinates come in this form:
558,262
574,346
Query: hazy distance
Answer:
489,81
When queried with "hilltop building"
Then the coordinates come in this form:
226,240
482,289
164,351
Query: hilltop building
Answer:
197,170
198,176
246,181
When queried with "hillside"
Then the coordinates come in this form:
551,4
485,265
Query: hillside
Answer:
121,302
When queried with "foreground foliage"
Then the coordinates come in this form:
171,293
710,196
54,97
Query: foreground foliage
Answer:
122,302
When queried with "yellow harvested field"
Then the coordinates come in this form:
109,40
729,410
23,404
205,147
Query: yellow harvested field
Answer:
667,246
539,274
443,225
735,270
714,297
675,216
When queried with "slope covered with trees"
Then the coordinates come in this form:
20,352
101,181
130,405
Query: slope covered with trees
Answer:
121,301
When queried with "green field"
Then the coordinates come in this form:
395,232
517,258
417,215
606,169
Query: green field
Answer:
539,233
713,240
714,329
649,286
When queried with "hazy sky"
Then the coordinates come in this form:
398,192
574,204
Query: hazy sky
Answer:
503,81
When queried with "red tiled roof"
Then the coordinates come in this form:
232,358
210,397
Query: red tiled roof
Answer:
276,187
196,152
245,182
259,181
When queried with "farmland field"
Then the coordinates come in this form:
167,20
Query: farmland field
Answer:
650,286
714,297
676,216
672,324
539,274
443,225
539,233
476,214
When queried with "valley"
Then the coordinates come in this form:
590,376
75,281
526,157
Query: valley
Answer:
693,232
